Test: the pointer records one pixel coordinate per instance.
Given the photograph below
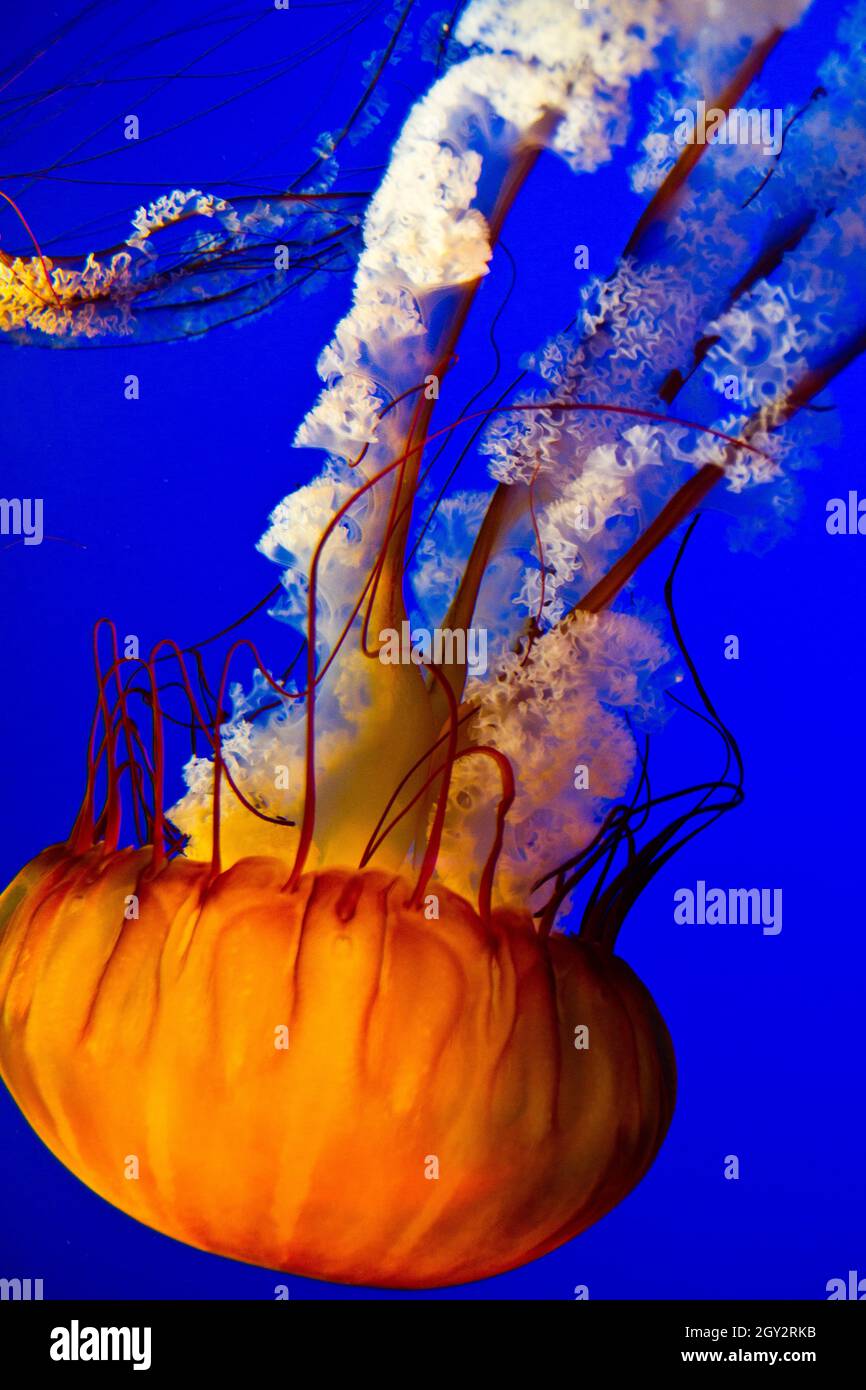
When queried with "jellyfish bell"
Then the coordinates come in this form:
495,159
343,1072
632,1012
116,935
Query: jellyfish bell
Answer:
326,1079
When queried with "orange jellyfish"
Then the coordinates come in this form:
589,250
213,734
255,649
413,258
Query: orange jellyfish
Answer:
326,1038
307,1068
332,1062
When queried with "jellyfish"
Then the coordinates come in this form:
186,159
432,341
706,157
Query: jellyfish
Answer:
329,1012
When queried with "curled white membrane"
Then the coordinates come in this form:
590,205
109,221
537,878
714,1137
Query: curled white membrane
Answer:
535,70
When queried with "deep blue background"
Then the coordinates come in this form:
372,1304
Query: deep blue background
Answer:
165,498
